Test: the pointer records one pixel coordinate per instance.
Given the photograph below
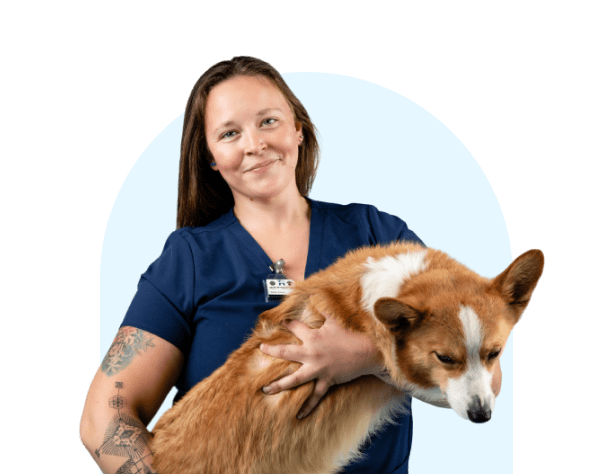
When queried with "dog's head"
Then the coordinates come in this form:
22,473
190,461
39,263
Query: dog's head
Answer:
449,327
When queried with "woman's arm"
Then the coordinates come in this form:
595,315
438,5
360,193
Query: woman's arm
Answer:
134,378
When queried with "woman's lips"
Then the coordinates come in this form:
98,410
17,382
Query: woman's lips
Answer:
261,167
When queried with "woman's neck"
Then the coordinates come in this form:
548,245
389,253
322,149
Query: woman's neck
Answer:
280,213
281,228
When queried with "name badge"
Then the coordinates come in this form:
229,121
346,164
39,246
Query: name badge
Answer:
276,285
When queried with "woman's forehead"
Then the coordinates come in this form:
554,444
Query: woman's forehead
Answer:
243,96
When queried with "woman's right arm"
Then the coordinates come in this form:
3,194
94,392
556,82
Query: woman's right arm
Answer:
134,379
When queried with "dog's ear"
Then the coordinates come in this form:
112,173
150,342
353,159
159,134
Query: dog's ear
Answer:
519,280
396,315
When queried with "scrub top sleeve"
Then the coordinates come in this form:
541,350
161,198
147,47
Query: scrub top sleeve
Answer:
163,304
386,228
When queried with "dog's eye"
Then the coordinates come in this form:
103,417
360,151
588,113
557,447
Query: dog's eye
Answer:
444,359
494,354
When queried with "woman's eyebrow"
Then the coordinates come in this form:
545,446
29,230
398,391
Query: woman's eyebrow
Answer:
264,111
227,124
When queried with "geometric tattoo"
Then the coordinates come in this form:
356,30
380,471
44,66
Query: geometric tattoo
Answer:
126,437
128,343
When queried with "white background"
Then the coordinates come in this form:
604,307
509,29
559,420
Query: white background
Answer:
420,172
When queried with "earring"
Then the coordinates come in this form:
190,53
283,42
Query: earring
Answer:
213,164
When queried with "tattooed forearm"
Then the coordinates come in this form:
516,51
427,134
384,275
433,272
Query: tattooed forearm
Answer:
128,343
126,437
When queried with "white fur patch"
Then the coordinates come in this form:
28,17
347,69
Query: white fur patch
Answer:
385,276
476,380
472,328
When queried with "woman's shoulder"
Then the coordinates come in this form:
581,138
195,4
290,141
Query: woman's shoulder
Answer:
380,226
343,209
365,212
195,240
216,226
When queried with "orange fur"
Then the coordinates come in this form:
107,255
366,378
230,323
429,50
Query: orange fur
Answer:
227,425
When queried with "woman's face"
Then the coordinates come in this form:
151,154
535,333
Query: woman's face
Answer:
253,137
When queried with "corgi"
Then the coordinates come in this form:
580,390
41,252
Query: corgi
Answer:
438,326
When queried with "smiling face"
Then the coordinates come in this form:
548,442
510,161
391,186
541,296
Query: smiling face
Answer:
253,137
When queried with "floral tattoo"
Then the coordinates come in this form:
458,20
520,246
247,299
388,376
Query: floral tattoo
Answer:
128,343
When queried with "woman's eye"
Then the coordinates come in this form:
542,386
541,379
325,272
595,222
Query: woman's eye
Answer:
268,121
229,134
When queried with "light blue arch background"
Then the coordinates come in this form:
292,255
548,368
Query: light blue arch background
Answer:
379,148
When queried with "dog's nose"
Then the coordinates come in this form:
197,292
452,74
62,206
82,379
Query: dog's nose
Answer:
478,413
481,416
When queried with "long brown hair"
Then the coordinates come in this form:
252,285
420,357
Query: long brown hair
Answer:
203,193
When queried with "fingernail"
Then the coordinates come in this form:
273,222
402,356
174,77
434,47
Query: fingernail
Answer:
267,390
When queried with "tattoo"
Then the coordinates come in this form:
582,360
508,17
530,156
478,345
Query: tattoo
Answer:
126,437
128,343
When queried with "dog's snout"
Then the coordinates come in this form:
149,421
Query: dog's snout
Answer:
479,416
477,412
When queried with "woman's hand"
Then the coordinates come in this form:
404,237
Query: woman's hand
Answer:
331,355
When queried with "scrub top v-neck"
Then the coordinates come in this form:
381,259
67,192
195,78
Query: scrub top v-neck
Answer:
260,256
205,292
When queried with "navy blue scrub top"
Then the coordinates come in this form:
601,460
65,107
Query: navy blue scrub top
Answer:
205,292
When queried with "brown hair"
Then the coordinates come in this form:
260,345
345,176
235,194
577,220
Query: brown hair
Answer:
203,193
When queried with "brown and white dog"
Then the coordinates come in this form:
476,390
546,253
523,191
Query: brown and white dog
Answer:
439,326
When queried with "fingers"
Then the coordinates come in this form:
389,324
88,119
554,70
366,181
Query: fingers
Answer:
283,351
293,380
294,352
300,330
315,355
320,390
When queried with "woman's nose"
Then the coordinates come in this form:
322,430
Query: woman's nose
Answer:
254,143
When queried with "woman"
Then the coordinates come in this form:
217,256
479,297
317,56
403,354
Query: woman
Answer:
248,160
